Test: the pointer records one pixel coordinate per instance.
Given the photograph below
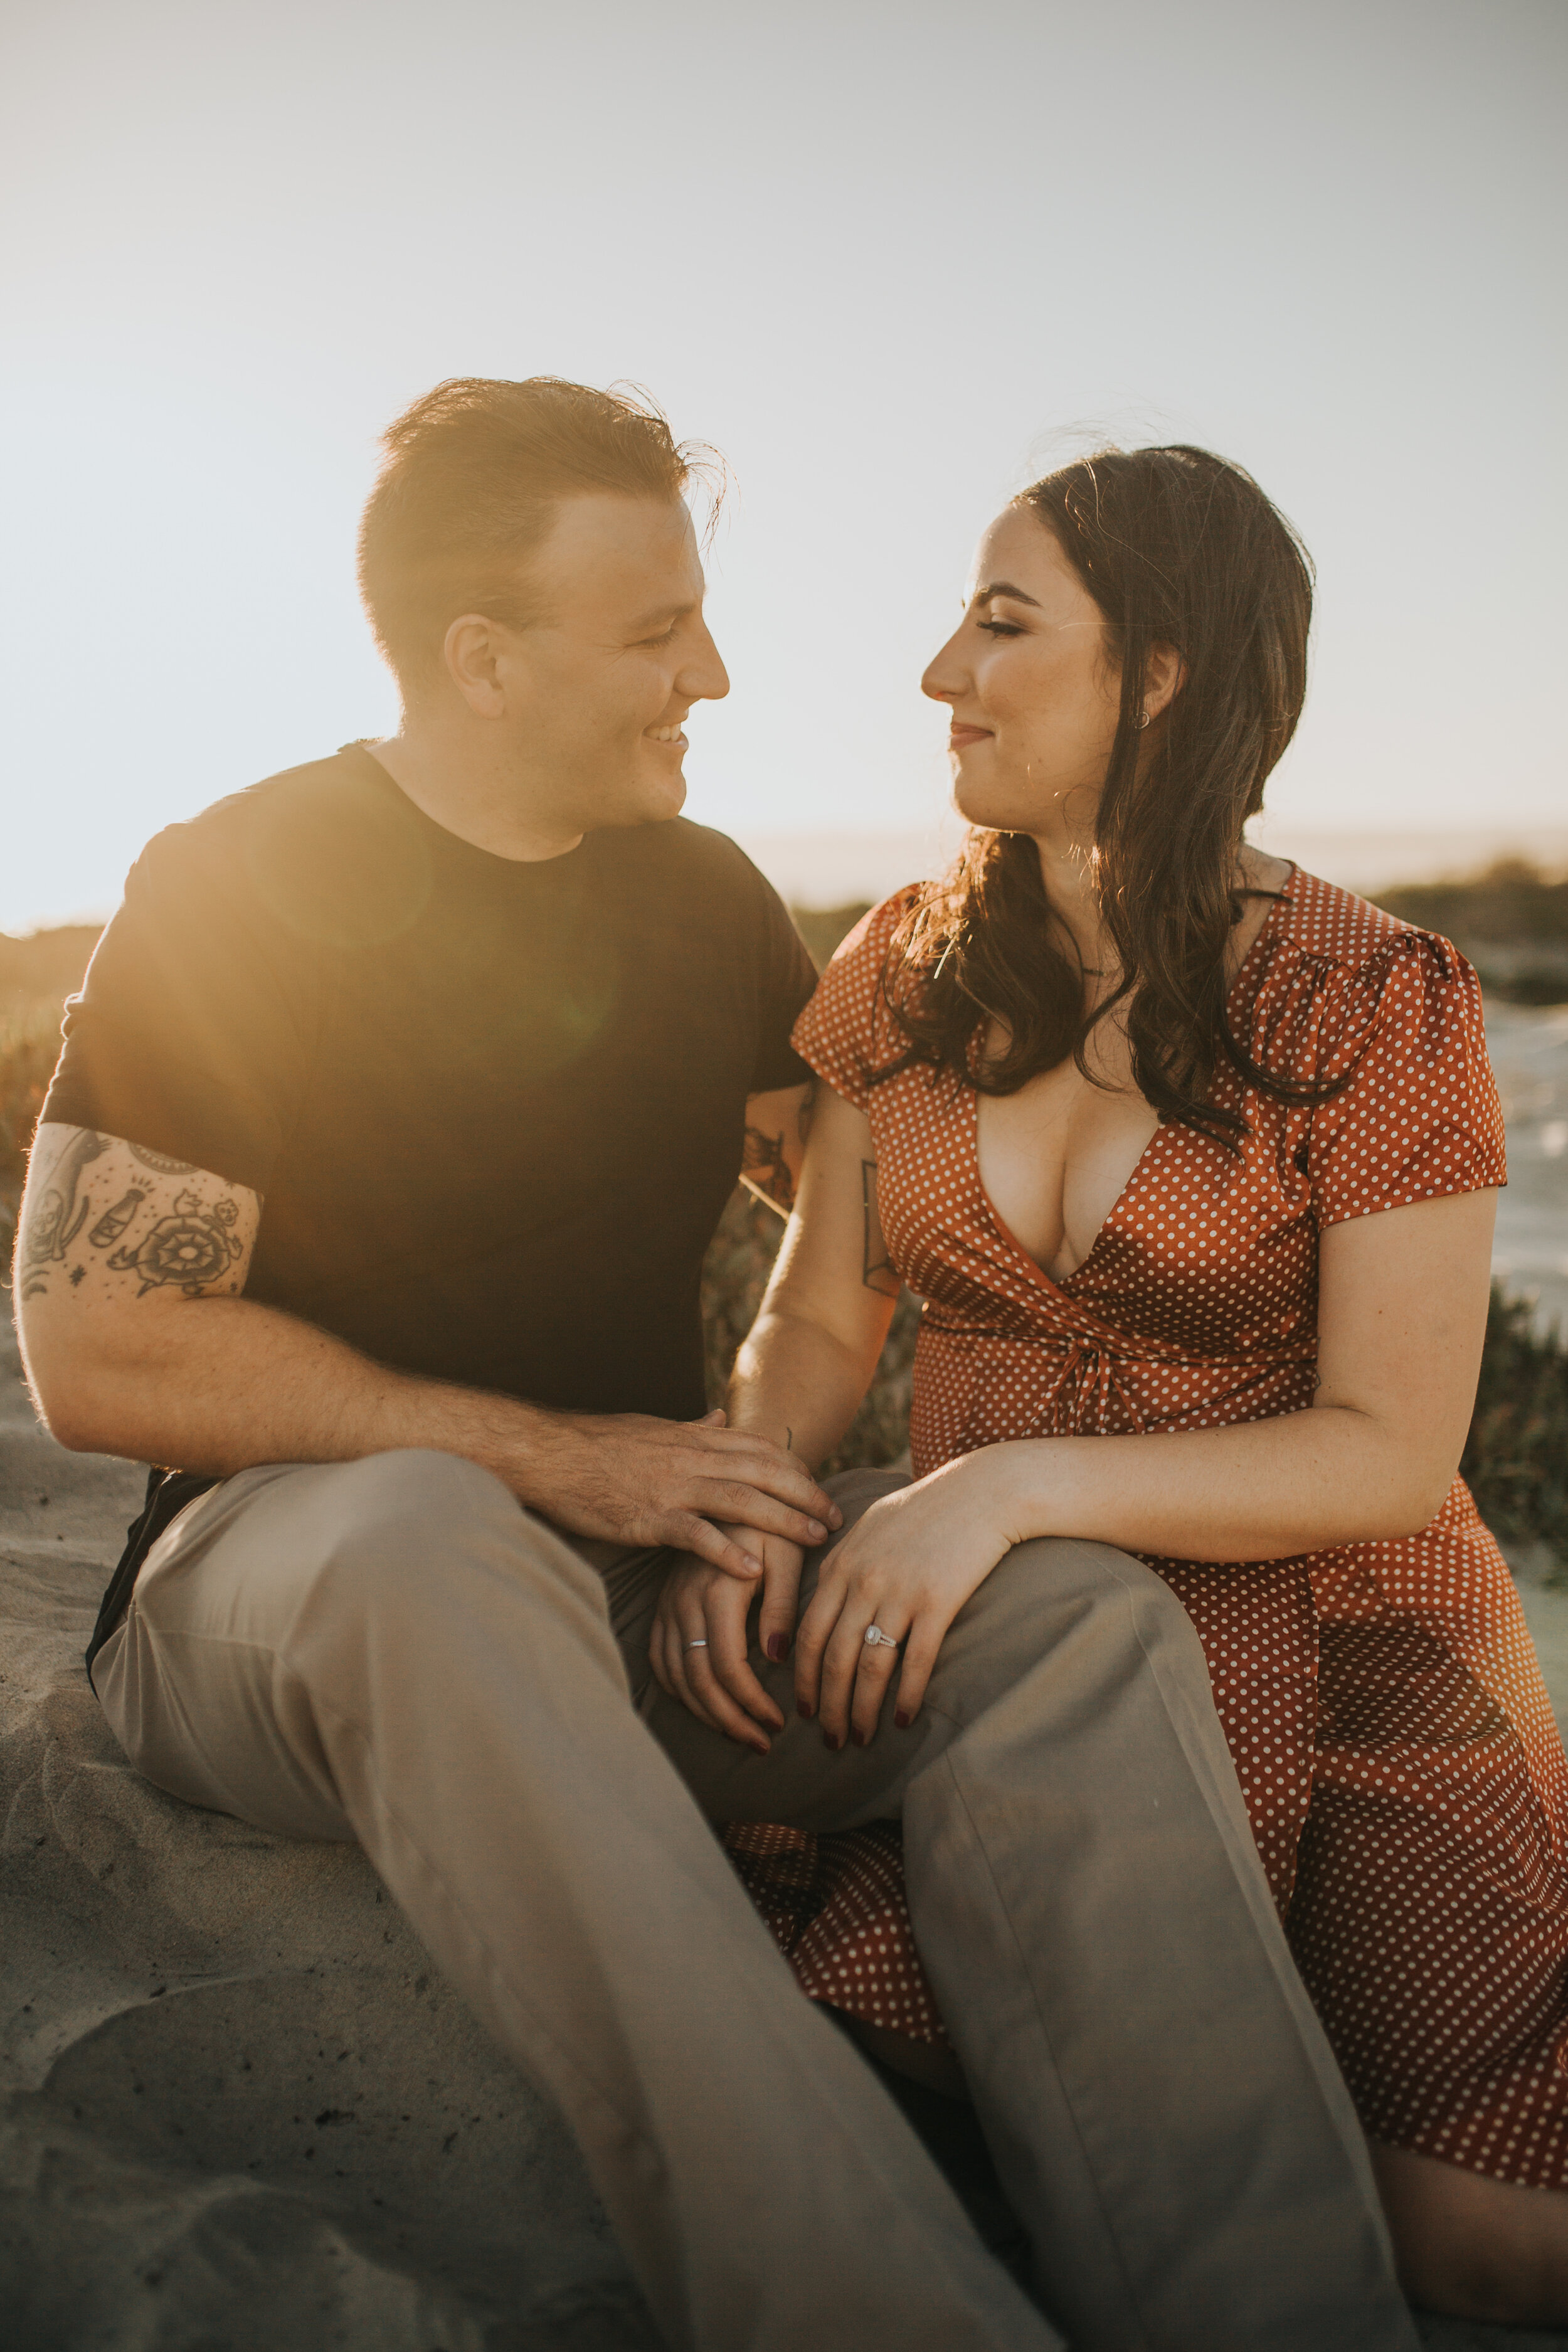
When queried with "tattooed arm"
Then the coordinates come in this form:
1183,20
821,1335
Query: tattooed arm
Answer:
138,1340
813,1350
114,1242
777,1127
799,1379
105,1219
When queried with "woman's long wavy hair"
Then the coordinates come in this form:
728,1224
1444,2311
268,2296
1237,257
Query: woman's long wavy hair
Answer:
1176,547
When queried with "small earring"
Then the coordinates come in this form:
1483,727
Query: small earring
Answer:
1143,719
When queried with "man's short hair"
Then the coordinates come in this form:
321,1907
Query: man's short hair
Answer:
473,474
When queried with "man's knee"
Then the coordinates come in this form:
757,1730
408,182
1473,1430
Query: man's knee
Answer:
415,1500
410,1526
421,1485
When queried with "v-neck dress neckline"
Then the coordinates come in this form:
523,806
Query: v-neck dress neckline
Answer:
1234,994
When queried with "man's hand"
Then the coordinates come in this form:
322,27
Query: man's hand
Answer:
131,1271
640,1481
698,1643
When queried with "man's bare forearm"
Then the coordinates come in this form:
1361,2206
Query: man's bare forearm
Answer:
220,1384
139,1340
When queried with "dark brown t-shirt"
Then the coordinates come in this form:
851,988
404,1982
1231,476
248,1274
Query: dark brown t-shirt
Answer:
494,1109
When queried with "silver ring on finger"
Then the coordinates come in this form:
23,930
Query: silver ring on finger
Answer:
877,1639
695,1646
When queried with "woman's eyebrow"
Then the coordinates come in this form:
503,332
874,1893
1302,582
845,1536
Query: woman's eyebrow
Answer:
1003,588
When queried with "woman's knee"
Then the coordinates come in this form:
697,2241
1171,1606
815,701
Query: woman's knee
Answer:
1057,1571
1039,1595
1065,1600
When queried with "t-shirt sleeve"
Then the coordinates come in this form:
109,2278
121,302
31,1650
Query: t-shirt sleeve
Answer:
186,1033
843,1031
1419,1117
787,977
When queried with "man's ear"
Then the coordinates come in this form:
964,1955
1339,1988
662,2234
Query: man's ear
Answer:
471,650
1165,675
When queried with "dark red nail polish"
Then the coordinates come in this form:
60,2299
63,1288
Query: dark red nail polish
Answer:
803,1707
778,1646
861,1738
831,1739
900,1720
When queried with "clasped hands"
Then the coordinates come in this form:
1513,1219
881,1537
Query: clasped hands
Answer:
694,1486
907,1566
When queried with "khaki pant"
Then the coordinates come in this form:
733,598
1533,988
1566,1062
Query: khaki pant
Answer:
393,1651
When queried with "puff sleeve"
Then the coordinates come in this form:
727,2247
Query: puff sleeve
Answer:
845,1030
1418,1115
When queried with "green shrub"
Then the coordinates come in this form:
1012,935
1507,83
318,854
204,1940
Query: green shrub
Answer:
1512,900
1516,1456
1512,921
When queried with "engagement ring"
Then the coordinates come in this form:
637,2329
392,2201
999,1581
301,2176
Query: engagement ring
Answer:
877,1639
696,1645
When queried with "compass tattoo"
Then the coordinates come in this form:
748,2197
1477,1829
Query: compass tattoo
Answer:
190,1249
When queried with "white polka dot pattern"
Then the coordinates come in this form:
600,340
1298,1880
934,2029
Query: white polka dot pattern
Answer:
836,1908
1394,1739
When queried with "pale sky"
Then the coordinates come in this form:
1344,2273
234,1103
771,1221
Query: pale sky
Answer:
891,260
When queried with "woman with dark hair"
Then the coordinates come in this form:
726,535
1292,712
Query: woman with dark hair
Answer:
1194,1160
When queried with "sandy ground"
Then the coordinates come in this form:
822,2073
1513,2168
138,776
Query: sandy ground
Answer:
239,2110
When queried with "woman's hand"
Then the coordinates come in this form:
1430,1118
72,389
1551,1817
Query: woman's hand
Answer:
697,1644
908,1568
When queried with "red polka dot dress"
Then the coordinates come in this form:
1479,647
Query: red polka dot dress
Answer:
1392,1734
